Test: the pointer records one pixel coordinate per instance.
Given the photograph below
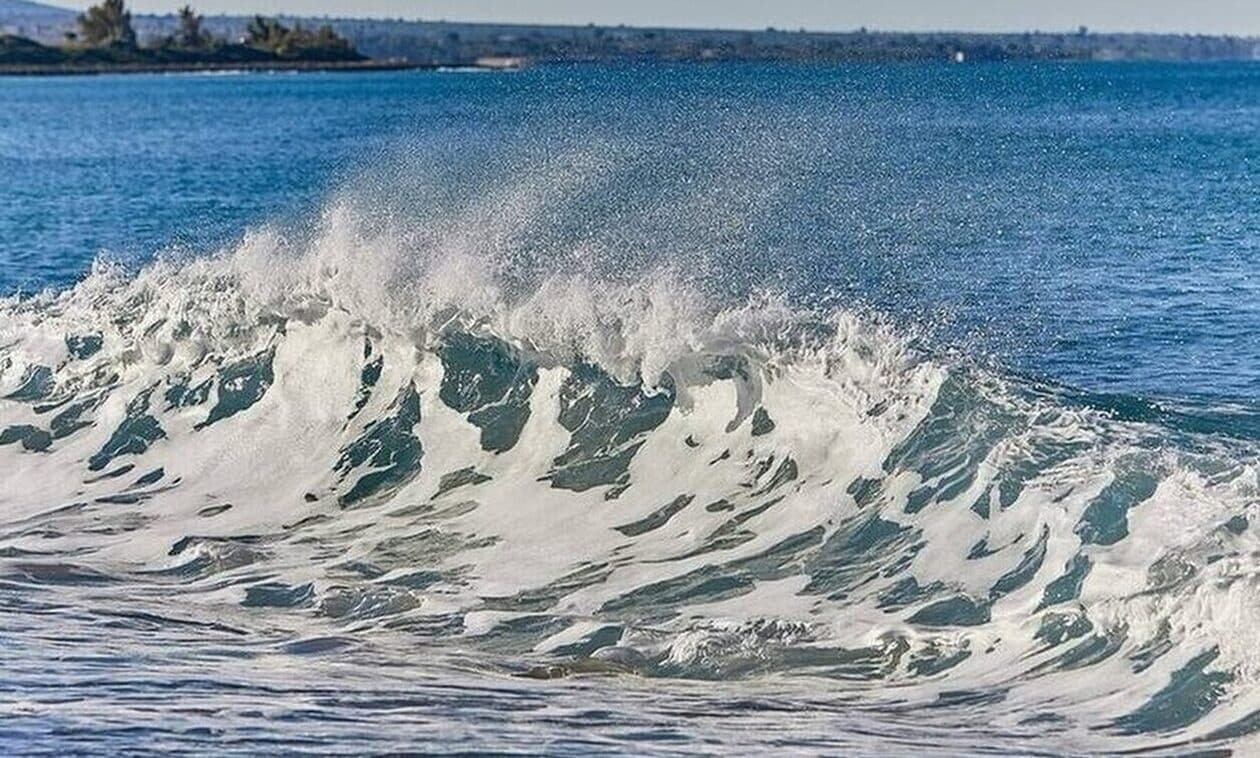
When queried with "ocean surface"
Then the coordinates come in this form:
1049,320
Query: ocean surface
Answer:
653,409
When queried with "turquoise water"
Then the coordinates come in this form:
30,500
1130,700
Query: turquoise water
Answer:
647,409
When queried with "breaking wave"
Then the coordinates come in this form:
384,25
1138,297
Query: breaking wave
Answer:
587,467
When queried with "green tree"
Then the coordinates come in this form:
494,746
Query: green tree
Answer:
107,24
266,33
269,34
191,33
328,39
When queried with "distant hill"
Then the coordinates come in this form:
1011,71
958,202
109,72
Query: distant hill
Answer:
35,20
454,43
22,11
18,8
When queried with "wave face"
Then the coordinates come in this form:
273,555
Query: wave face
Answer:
317,462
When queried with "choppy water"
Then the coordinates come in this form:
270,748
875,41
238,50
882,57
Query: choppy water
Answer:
658,409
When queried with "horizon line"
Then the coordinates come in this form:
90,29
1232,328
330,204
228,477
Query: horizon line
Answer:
864,29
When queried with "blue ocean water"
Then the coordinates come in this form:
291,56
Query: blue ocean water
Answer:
1092,224
644,408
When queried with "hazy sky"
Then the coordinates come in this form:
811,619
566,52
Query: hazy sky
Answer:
1206,16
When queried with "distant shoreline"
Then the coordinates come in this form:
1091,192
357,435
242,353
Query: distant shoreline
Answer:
37,70
91,69
105,42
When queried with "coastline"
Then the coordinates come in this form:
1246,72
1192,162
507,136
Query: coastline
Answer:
93,69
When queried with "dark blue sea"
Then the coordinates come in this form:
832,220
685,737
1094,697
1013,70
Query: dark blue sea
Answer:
648,409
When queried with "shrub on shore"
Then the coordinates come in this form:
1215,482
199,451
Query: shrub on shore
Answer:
106,37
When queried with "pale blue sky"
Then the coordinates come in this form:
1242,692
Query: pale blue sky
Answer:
1201,16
